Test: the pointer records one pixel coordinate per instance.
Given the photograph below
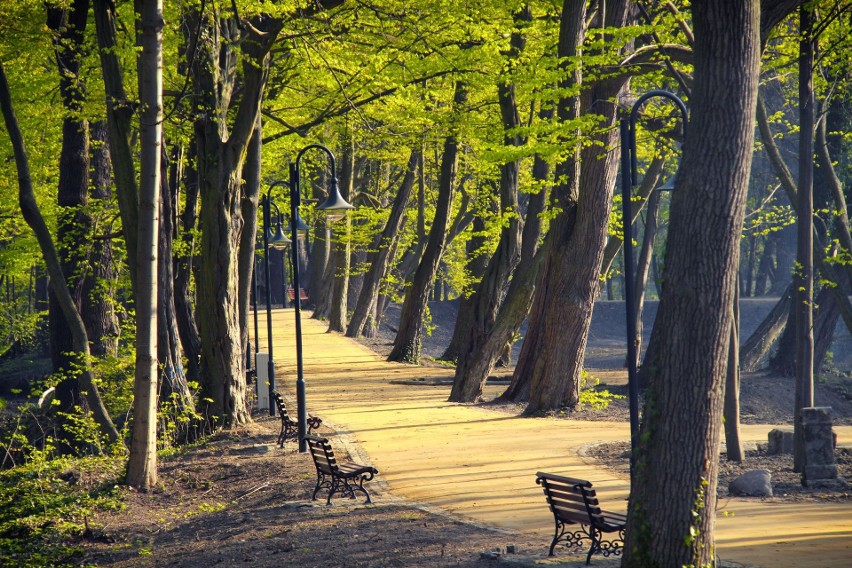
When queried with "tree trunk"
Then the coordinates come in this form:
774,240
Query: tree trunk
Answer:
407,343
643,264
570,285
731,412
74,224
248,238
221,157
142,466
119,118
766,334
174,389
33,217
184,268
384,245
341,249
478,312
671,515
99,289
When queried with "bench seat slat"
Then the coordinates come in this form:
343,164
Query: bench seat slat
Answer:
339,477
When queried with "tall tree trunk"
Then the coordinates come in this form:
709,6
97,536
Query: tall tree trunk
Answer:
484,303
74,224
119,118
731,412
384,245
671,515
33,217
247,254
804,273
765,268
570,285
479,365
142,466
99,288
221,156
185,268
174,388
564,197
341,249
408,341
477,263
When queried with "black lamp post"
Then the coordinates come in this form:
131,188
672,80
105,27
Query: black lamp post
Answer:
270,240
628,180
335,205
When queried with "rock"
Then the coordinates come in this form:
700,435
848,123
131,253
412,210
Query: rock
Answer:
755,483
780,441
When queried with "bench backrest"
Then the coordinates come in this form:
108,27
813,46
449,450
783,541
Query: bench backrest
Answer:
322,454
571,500
281,406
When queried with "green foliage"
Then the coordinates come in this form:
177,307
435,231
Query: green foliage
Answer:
46,503
591,396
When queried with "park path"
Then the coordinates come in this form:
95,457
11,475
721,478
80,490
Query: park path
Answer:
480,464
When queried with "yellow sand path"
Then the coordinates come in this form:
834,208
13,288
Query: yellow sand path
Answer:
481,464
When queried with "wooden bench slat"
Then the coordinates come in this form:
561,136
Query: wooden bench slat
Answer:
339,477
289,427
574,501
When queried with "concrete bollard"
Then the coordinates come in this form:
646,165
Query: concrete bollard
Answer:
820,461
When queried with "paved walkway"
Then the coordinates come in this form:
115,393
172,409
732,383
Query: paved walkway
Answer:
482,463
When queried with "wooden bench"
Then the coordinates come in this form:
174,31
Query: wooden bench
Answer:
291,293
339,477
289,427
574,502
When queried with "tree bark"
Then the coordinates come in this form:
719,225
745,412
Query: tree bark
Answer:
33,217
68,25
484,304
99,289
185,266
385,245
341,249
408,341
767,333
570,284
221,155
119,118
477,263
142,465
174,390
673,489
733,444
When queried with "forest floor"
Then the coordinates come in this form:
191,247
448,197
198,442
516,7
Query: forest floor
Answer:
237,499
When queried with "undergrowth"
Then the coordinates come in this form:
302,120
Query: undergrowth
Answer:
46,503
590,395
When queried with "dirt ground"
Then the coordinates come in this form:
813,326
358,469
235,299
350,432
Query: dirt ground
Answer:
240,500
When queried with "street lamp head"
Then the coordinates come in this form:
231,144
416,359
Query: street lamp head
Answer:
335,206
669,184
301,227
279,240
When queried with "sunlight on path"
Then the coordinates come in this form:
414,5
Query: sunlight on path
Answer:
481,464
